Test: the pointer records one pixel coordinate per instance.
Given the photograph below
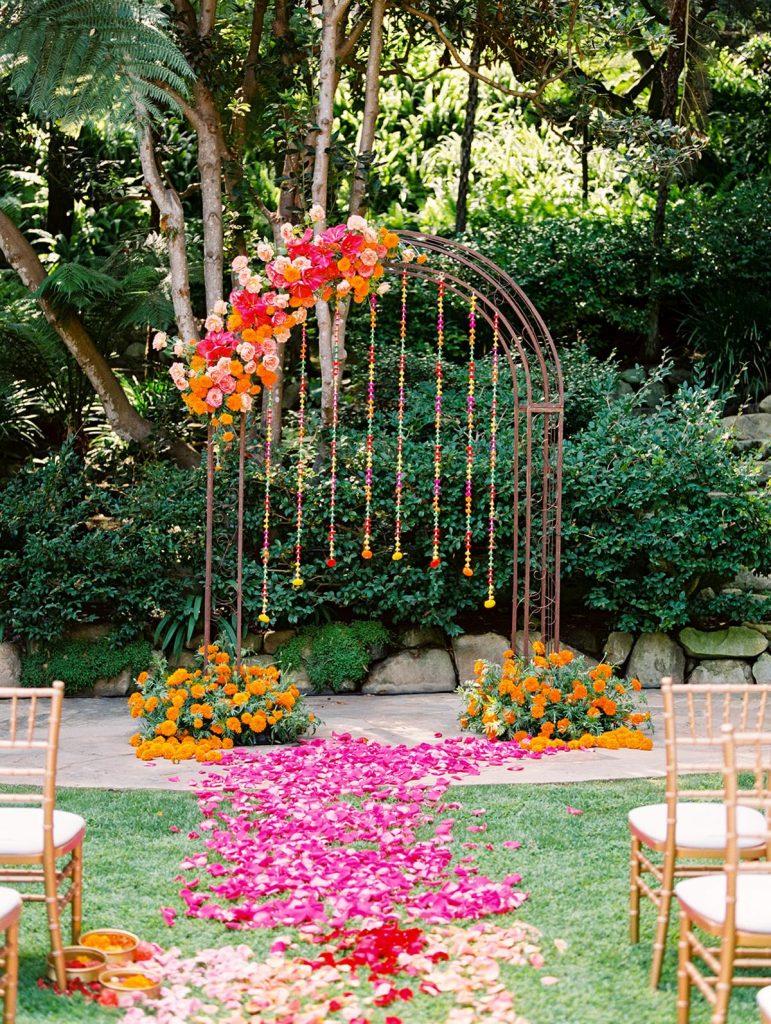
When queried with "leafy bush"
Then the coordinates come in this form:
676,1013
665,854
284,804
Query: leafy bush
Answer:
78,663
658,507
334,654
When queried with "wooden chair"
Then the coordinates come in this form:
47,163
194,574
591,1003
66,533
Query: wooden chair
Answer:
687,827
33,839
734,905
10,912
764,1004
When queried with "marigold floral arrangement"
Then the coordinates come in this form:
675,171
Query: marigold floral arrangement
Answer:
201,713
552,701
221,374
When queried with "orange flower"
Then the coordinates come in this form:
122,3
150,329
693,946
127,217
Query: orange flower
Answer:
593,712
547,729
599,686
142,678
579,690
619,688
636,685
563,724
540,662
197,691
531,684
538,647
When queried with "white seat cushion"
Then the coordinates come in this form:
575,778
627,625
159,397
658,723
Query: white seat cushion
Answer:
21,831
705,895
699,826
10,905
764,1001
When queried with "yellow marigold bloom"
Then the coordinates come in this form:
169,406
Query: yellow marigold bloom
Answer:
198,723
227,743
479,667
172,714
177,678
207,711
538,647
197,691
166,728
540,662
233,724
135,740
240,698
256,688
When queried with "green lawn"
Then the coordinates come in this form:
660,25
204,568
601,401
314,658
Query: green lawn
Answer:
575,869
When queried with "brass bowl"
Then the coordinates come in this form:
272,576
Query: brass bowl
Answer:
113,979
84,974
124,955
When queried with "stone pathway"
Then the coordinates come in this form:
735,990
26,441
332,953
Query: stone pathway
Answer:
94,750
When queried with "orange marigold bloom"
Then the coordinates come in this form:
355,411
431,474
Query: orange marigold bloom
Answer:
538,647
233,724
599,686
563,724
197,723
579,690
259,722
593,712
151,704
197,691
537,710
142,678
547,729
555,695
636,685
531,684
540,662
619,688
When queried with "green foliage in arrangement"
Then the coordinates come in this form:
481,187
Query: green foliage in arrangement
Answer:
333,654
80,662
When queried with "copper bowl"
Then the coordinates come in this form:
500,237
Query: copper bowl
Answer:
83,954
126,941
114,979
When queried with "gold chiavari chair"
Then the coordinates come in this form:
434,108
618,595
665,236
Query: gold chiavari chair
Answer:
734,905
686,835
34,839
10,912
764,1004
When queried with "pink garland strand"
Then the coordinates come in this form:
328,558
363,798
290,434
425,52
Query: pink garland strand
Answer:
263,617
435,559
398,553
490,602
331,560
298,581
472,328
366,551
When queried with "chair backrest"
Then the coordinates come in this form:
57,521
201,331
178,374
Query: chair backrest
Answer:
30,718
756,748
694,715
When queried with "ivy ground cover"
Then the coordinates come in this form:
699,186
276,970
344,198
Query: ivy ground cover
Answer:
574,868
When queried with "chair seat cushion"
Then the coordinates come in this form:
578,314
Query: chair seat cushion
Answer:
700,826
10,906
705,895
764,1001
21,831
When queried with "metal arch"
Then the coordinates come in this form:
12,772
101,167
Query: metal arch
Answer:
538,415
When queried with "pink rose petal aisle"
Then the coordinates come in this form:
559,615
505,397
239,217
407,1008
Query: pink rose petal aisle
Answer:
348,843
333,830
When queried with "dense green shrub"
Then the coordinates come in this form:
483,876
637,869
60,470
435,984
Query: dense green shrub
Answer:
333,654
78,663
656,507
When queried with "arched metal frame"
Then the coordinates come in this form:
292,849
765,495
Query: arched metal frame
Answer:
538,418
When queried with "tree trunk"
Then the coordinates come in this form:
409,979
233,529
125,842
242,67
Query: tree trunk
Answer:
209,138
671,70
365,156
173,227
121,415
467,138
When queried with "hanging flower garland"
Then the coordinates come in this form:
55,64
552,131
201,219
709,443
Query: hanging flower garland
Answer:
298,581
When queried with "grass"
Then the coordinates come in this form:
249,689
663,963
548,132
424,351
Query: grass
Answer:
575,869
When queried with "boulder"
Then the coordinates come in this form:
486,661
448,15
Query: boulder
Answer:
10,665
634,375
753,426
422,670
765,404
275,638
654,656
761,670
618,647
752,582
590,661
116,686
478,647
134,354
91,630
733,642
580,639
422,636
252,642
721,670
519,641
760,627
653,394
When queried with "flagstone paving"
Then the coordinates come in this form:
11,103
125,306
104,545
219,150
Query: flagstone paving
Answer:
94,748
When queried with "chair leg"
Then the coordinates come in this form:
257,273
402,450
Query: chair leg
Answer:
724,984
77,893
634,892
11,973
662,920
54,926
683,978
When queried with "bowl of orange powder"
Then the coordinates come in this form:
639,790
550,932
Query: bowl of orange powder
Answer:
118,946
130,979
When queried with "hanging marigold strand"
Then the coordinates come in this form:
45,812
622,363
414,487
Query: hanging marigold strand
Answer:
331,560
263,616
398,554
366,551
472,331
298,580
439,373
490,602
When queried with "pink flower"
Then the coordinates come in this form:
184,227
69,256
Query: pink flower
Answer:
168,914
264,251
240,263
316,213
246,351
356,223
220,307
244,276
271,363
246,402
227,385
214,398
160,341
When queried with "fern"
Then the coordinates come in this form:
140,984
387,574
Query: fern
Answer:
77,61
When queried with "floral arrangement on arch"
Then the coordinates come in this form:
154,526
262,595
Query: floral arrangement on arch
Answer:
554,701
201,713
223,372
